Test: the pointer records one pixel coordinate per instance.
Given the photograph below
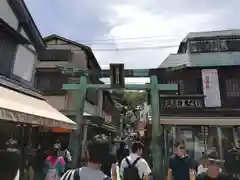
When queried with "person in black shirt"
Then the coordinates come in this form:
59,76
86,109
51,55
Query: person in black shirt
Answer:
213,169
181,166
122,152
109,166
10,159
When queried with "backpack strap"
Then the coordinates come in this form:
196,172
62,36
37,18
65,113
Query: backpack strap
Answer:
107,178
135,162
128,162
76,175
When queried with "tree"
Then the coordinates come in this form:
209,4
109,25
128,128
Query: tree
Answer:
130,99
128,102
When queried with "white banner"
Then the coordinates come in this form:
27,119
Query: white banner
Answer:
211,88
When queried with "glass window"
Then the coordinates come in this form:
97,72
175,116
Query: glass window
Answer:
233,44
232,87
24,63
223,45
204,46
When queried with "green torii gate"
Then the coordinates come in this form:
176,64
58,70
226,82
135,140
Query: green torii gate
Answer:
154,88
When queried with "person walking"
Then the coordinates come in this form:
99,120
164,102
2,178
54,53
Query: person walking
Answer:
122,152
213,171
10,159
97,151
54,165
181,166
109,166
134,167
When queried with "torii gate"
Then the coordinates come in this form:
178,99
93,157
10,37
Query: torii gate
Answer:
117,75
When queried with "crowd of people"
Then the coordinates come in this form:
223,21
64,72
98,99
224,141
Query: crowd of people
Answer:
104,164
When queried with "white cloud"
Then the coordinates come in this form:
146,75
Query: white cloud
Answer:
167,22
135,21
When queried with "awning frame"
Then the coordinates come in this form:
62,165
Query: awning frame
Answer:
20,117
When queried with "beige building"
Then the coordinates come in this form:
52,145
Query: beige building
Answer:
99,106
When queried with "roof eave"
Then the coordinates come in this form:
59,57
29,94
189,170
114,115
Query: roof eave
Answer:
85,48
24,16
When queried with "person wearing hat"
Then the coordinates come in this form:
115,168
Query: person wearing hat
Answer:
213,171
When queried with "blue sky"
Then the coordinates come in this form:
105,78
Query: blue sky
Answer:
121,24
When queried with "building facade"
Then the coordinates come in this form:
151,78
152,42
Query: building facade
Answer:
23,109
205,110
99,105
20,41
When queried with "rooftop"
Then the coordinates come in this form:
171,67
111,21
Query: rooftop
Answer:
206,34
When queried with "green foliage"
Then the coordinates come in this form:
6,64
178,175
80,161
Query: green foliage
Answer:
130,99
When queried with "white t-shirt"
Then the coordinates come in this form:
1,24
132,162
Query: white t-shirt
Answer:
201,169
142,165
17,176
65,154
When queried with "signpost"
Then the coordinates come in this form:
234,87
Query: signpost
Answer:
117,75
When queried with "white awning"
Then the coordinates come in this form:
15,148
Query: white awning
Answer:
231,121
18,107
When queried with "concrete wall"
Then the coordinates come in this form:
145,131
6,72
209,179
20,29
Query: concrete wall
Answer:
7,14
68,103
58,102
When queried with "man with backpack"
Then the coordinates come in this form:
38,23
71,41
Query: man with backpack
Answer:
134,167
97,151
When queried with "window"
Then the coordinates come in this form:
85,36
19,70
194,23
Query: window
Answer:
55,55
232,87
233,44
204,46
51,81
223,45
24,63
180,83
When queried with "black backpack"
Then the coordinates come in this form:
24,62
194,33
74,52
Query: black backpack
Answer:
131,172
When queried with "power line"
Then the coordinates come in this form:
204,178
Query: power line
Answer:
136,48
123,39
125,42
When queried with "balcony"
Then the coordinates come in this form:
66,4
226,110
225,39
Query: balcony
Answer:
181,102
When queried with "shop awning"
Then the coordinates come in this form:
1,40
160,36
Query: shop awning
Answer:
231,121
18,107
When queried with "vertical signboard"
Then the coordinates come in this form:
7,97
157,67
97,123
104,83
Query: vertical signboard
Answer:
211,88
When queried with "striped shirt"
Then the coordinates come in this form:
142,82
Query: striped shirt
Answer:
85,173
